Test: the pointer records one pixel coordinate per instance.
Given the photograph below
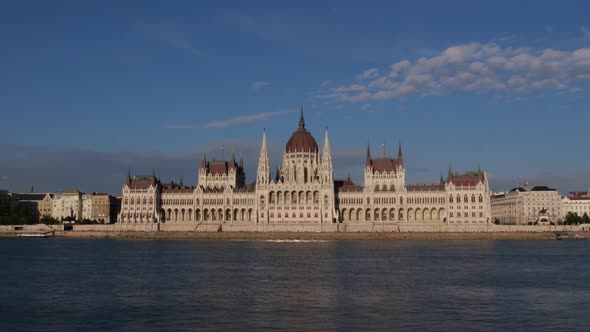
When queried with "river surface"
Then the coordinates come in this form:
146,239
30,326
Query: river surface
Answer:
182,285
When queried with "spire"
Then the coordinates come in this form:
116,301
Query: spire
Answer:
442,180
327,152
399,151
203,158
154,173
368,161
301,119
241,161
181,182
263,173
478,168
129,173
450,171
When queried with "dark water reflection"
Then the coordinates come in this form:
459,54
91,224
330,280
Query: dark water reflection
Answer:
103,284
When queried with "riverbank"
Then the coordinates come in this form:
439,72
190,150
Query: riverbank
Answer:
313,235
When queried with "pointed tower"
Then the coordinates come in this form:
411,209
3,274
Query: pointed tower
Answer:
232,162
327,170
368,160
301,119
262,175
399,153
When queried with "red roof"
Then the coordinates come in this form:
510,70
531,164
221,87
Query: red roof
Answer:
218,167
386,165
141,182
301,140
426,187
466,180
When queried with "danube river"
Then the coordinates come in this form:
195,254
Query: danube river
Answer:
143,285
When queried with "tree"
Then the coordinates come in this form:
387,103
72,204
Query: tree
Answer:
573,219
49,220
585,218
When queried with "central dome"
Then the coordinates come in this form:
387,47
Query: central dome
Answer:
301,140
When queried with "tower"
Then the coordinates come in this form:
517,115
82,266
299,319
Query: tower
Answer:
263,173
327,170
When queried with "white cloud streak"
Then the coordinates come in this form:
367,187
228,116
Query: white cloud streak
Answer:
257,85
474,67
235,121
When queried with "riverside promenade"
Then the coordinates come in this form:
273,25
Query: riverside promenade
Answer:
303,232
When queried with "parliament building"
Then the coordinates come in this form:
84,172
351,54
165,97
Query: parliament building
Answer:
304,191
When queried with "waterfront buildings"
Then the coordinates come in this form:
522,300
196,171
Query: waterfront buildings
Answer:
104,208
5,199
577,203
521,206
303,191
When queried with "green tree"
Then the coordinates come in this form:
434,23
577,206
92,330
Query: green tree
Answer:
585,219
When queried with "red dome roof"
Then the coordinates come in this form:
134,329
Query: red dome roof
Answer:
301,140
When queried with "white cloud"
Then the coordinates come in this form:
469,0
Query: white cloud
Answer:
473,67
231,121
257,85
369,73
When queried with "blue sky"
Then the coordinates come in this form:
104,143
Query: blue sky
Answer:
88,89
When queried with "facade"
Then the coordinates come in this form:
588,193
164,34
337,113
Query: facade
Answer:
303,191
67,205
86,206
141,200
31,201
104,208
577,203
520,206
46,206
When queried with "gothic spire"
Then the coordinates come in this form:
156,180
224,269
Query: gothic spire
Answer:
263,173
129,173
327,152
399,151
368,160
450,171
181,182
301,119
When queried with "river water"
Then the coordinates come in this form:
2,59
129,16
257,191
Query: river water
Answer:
181,285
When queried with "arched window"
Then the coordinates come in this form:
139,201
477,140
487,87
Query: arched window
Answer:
472,198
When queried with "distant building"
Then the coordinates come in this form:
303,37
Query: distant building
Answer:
577,203
31,201
86,206
46,206
104,208
303,191
520,206
5,199
67,205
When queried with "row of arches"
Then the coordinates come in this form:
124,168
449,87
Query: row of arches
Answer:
236,214
294,197
466,198
392,214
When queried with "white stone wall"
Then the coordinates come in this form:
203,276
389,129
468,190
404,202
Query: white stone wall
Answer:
573,205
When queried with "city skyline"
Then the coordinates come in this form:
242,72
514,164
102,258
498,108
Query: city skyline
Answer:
92,90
